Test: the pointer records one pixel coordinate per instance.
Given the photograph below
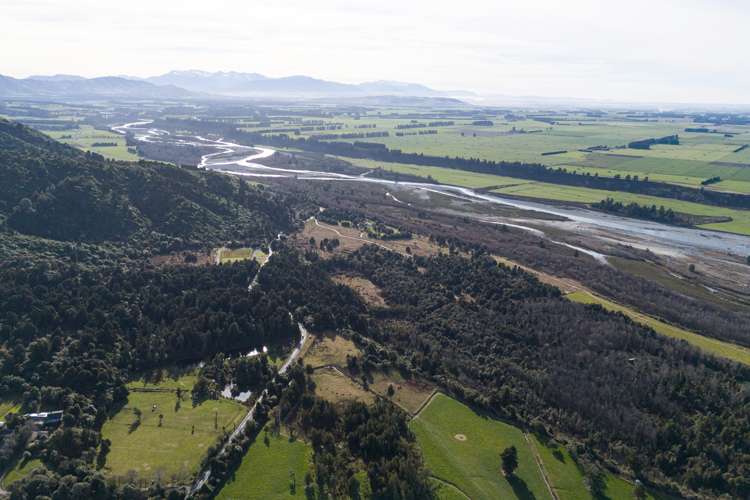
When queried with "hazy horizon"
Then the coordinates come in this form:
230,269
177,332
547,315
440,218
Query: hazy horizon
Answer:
675,52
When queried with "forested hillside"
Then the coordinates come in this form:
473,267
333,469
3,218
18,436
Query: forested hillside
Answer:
72,336
500,339
57,192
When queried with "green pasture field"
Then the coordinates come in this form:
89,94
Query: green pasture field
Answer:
471,467
84,136
270,471
440,174
698,157
732,186
713,346
463,448
495,143
519,187
171,451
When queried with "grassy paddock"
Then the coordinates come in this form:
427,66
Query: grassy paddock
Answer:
470,466
171,451
463,448
270,471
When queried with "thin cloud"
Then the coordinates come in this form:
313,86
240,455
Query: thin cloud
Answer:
635,50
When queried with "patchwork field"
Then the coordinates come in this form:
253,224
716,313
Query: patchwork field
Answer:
740,222
173,448
270,471
713,346
87,137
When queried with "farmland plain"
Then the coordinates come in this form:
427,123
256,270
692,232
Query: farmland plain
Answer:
86,137
740,222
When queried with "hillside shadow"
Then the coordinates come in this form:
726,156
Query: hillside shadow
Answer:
520,488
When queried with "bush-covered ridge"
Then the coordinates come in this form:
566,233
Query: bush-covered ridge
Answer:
54,191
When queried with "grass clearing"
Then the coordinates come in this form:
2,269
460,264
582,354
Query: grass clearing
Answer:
470,466
473,464
366,289
713,346
171,450
336,387
270,471
229,255
7,407
352,239
409,394
331,350
20,470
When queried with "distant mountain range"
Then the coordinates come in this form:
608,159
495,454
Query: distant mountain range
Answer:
254,84
194,83
77,87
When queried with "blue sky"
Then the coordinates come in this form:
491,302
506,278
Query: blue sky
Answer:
636,50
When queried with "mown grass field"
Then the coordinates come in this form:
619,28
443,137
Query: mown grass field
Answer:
713,346
85,136
471,467
172,451
19,471
270,471
463,448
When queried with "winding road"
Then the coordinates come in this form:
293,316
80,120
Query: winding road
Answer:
204,475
